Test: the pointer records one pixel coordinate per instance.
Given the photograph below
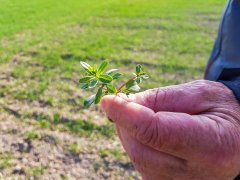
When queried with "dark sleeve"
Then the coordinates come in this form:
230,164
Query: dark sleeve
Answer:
224,62
237,178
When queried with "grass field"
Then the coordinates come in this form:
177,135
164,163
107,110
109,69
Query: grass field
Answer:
45,132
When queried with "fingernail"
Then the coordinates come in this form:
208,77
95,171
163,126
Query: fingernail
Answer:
110,120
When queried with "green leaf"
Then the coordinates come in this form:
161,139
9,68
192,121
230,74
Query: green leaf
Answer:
139,80
105,78
85,79
117,76
94,67
85,65
102,67
99,95
111,71
111,88
138,69
93,83
132,86
134,74
85,86
88,102
87,68
145,76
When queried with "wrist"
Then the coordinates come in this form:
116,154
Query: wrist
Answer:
234,85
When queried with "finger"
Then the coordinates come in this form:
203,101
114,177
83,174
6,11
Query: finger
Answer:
191,98
175,133
126,114
149,161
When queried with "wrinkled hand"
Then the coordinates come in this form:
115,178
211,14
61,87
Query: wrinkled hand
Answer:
188,131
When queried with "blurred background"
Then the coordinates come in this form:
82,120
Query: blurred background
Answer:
45,133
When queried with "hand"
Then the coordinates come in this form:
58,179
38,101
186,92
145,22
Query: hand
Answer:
188,131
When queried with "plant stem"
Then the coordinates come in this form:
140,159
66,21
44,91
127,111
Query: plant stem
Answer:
124,84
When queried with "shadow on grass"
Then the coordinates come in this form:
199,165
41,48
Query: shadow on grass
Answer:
77,126
87,128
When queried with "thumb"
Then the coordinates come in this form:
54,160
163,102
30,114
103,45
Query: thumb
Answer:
191,98
126,113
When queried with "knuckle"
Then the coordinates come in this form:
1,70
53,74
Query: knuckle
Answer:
164,96
211,91
203,86
148,97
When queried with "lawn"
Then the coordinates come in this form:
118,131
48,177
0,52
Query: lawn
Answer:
45,131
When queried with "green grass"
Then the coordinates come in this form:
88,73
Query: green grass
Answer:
32,135
118,154
74,148
5,160
36,171
43,41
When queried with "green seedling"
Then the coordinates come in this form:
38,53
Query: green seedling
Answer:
106,81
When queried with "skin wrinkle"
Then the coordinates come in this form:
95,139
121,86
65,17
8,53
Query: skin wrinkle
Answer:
225,155
181,143
155,100
167,135
226,115
164,96
138,158
169,166
119,133
218,127
163,148
144,163
177,146
157,136
160,142
117,116
179,168
145,132
145,99
151,139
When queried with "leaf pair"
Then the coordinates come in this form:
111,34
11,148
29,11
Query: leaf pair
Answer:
133,84
94,98
97,77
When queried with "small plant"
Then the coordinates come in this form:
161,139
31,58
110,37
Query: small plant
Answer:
118,154
37,171
5,160
32,135
98,77
74,148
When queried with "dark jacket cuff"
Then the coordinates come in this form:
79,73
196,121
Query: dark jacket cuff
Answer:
234,85
237,178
